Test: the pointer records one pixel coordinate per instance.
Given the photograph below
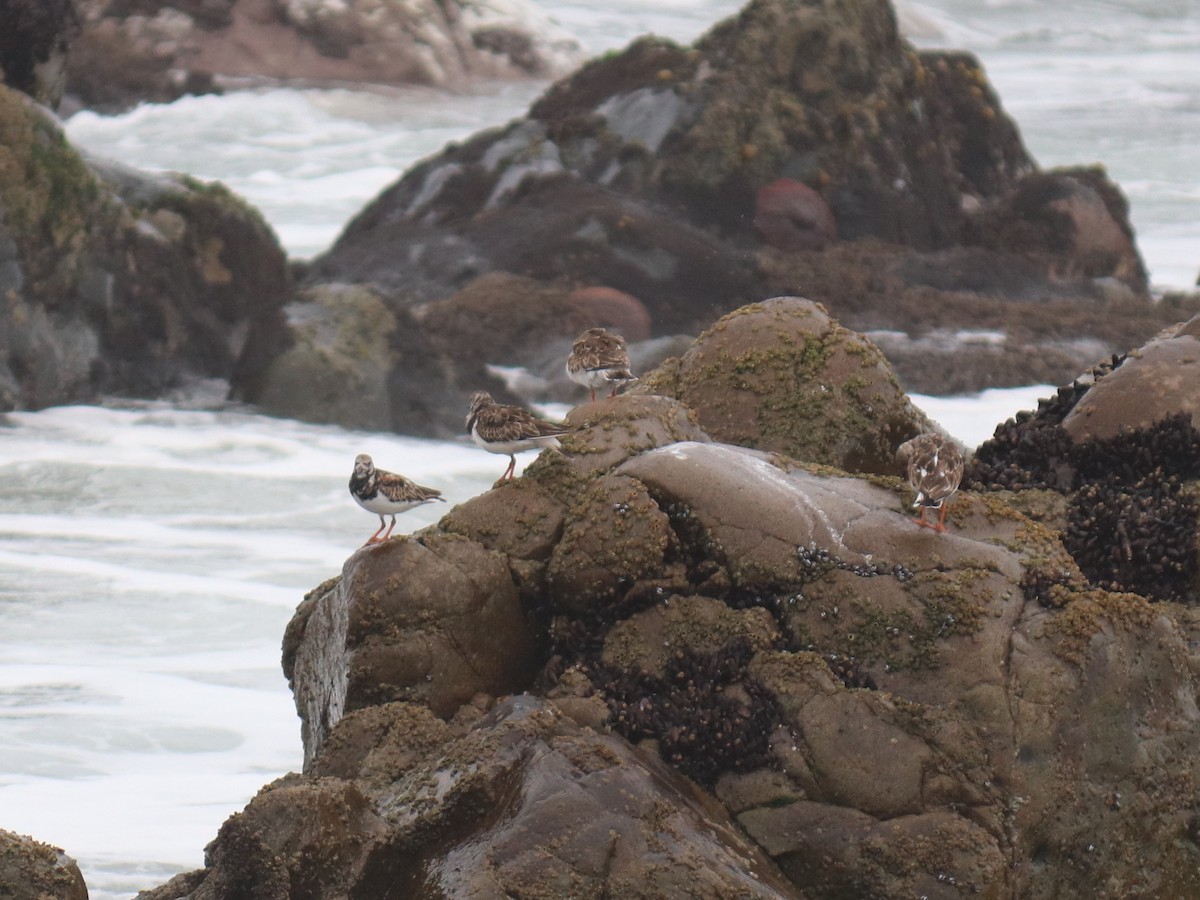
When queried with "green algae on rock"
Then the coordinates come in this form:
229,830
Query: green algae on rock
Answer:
783,376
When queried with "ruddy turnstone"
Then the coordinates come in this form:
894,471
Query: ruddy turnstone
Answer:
935,469
600,359
508,429
386,493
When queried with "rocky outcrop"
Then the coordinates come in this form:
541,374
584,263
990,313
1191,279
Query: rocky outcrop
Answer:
30,870
153,51
656,653
860,707
1120,451
118,282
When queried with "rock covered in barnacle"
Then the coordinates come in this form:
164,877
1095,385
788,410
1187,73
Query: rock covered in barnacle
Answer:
884,711
31,870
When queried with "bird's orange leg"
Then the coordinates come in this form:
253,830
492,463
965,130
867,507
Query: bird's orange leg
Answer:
390,527
941,522
511,470
374,539
921,521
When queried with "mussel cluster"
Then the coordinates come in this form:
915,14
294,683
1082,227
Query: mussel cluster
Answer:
1031,450
707,714
1131,525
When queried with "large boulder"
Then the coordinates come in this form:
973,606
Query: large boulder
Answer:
158,50
430,619
782,375
119,282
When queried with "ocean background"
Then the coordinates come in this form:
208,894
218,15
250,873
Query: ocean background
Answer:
152,554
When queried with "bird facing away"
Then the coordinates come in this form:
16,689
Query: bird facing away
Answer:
386,493
508,429
599,359
935,469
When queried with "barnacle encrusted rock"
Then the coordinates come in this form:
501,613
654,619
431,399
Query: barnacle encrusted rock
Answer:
885,711
31,870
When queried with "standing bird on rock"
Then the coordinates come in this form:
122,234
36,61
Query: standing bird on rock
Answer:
386,493
935,469
498,428
600,359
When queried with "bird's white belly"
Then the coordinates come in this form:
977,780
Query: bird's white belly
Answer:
510,447
591,378
381,505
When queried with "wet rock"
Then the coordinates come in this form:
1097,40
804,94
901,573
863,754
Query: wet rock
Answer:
434,619
31,870
156,52
886,711
783,376
118,282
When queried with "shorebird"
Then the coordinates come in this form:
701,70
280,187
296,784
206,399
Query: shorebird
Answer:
600,359
935,469
386,493
498,428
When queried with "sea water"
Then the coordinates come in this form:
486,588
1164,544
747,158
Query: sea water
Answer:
151,555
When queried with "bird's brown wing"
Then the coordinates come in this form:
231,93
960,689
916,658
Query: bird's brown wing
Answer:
600,351
399,489
935,467
513,423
